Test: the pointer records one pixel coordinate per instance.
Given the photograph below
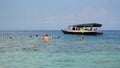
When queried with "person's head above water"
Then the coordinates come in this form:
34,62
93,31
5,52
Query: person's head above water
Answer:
46,34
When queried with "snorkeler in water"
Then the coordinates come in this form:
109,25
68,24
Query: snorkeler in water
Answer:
56,37
11,38
30,36
36,35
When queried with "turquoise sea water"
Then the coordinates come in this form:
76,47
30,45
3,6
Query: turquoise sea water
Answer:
68,51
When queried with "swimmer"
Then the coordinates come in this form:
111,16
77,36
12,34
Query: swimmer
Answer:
30,36
46,38
11,38
36,35
56,37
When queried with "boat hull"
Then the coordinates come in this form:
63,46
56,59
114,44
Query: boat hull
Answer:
81,33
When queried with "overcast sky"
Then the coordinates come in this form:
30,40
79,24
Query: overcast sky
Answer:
58,14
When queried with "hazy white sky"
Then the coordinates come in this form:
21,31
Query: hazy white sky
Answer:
57,14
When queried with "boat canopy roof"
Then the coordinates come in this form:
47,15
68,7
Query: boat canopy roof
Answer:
87,25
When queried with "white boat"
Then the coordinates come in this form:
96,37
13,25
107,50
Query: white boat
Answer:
85,29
